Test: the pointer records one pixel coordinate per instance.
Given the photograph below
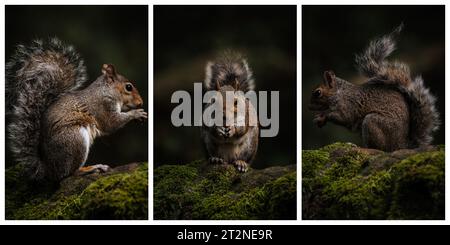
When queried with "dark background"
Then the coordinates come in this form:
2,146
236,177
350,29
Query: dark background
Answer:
186,37
101,34
332,35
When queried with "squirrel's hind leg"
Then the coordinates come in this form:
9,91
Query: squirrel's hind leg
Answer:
97,168
66,153
373,135
216,160
85,133
383,133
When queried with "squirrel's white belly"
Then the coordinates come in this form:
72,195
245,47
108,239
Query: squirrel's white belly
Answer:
88,134
85,134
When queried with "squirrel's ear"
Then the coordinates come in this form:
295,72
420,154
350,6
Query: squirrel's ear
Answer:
329,78
236,85
109,70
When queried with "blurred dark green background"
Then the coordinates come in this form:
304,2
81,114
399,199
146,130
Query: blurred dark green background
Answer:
332,35
101,34
186,37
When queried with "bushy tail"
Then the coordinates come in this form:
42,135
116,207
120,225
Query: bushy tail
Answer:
35,76
228,69
424,116
373,64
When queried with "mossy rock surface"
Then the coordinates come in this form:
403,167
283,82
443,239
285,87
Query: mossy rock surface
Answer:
121,193
203,191
342,181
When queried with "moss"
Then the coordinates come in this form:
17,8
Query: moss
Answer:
341,183
173,187
203,191
115,196
281,197
122,196
358,197
420,186
338,146
312,159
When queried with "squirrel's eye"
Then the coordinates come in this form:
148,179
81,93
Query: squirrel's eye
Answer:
317,93
213,100
129,87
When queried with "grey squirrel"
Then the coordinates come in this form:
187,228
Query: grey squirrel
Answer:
54,121
231,143
392,110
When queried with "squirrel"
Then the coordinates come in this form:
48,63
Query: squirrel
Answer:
54,120
231,143
391,110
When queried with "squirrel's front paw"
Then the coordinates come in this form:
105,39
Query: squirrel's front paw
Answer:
139,114
320,120
241,166
216,160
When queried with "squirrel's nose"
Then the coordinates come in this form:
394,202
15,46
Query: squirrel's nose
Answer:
139,104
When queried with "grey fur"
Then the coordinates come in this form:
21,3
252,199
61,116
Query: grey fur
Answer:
232,144
34,79
423,113
227,68
372,62
391,110
53,121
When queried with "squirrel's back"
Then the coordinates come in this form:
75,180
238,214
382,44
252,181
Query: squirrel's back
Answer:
36,76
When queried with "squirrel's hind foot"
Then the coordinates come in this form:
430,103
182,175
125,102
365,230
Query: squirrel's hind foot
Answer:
216,160
97,168
241,166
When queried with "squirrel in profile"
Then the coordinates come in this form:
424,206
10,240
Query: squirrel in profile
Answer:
54,121
235,139
391,110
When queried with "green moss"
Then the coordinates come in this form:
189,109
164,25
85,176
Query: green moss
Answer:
203,191
420,186
173,187
312,159
122,196
344,185
61,208
116,196
338,146
281,197
358,197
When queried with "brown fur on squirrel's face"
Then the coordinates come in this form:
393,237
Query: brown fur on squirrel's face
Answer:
237,120
321,94
130,96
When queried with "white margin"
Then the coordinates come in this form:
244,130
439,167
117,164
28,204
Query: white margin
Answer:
150,101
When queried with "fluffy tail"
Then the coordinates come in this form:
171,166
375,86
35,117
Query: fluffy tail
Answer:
373,64
423,113
35,76
228,69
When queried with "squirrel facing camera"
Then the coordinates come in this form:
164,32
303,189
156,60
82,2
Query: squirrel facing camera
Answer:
235,139
53,121
391,110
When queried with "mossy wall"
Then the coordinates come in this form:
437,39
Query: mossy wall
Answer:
202,191
119,194
342,181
